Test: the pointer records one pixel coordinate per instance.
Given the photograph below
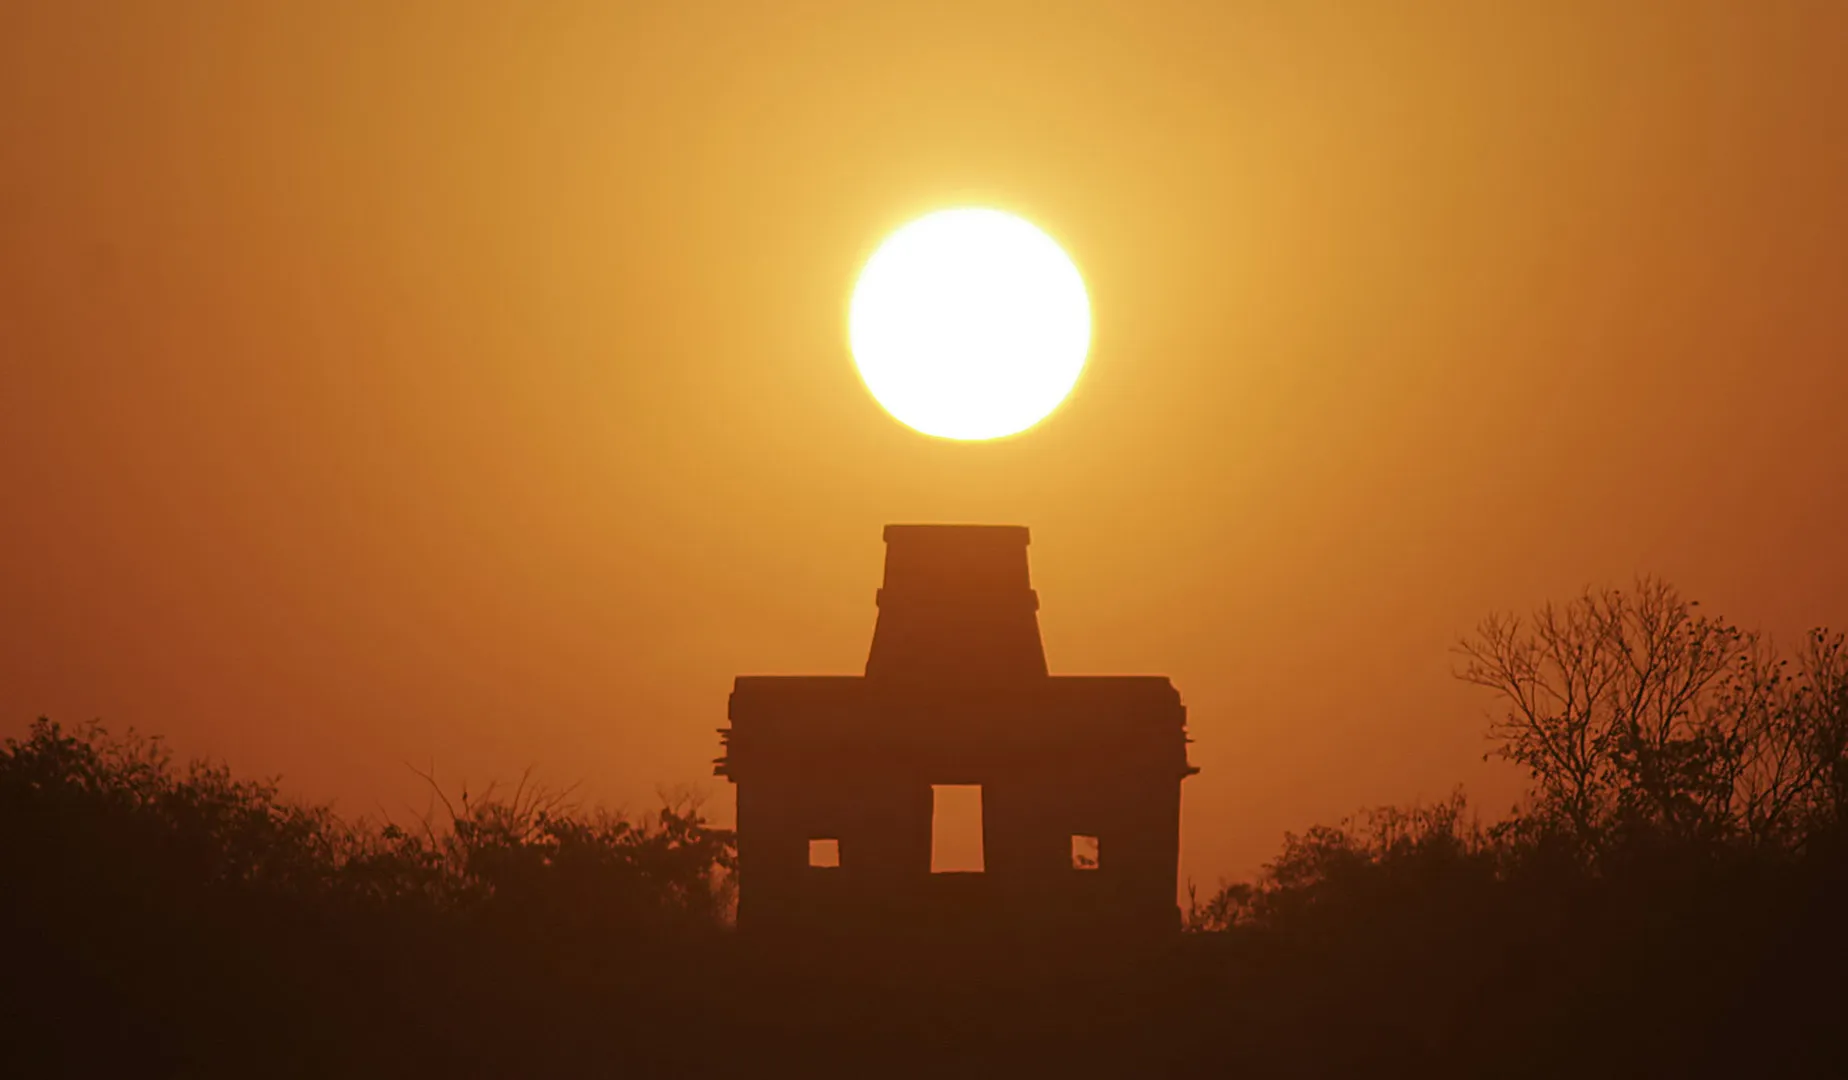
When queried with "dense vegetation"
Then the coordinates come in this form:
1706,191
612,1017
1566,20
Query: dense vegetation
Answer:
1669,900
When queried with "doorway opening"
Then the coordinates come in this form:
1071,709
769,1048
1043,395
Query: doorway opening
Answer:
956,829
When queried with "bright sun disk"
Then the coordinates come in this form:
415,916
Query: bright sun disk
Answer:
969,324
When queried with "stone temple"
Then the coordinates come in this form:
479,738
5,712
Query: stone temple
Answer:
1079,775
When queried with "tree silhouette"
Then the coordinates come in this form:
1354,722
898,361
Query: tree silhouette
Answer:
213,923
1643,720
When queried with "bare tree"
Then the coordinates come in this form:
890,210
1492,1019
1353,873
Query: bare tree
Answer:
1820,730
1637,715
1608,706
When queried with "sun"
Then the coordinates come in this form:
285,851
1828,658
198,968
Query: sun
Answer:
969,324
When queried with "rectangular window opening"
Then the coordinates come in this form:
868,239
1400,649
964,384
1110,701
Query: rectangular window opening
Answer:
956,829
1084,852
825,853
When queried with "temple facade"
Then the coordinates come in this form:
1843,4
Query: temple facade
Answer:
1079,775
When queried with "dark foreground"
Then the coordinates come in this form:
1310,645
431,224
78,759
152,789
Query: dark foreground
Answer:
162,922
1681,983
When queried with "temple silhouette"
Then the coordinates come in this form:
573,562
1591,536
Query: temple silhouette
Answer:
1079,776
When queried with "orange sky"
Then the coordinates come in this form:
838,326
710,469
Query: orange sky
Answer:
412,382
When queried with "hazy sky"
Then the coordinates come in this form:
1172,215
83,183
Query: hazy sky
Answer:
466,382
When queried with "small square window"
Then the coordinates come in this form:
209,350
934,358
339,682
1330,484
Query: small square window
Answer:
1084,853
825,853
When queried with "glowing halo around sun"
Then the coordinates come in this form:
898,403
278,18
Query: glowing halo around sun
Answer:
969,324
